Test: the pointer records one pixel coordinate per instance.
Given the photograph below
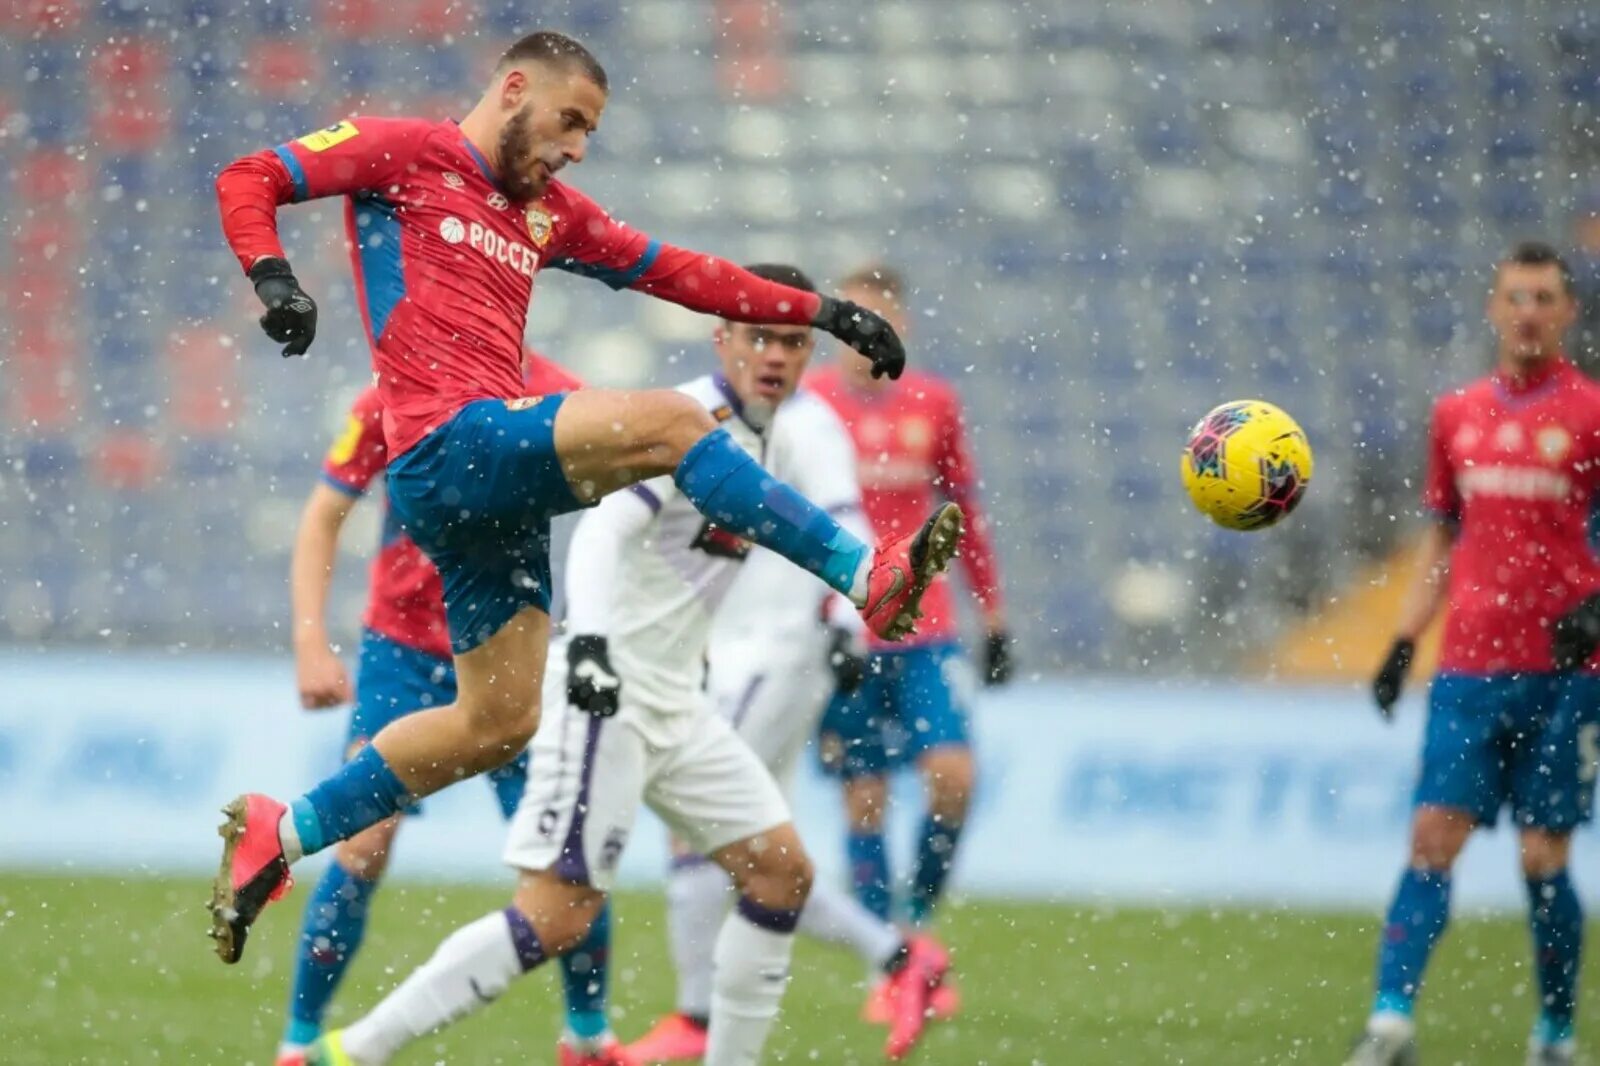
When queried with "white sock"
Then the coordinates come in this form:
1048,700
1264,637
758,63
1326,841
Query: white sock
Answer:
697,902
470,969
834,917
289,839
752,972
858,584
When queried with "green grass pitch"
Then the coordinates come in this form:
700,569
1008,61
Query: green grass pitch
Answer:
118,970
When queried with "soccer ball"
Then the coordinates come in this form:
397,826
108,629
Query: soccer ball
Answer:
1247,464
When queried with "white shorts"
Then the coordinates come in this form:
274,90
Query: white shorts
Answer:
773,696
587,777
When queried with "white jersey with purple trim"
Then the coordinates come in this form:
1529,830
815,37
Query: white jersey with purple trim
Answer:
673,567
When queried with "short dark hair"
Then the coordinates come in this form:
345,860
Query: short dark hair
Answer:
551,48
880,277
1538,253
783,274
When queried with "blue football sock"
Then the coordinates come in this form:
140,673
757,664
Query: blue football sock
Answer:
936,853
362,793
584,971
869,871
1556,918
1416,921
508,782
729,487
330,935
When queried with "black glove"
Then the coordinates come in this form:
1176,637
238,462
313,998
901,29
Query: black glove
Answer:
1392,675
997,659
291,317
864,331
847,658
1576,634
592,685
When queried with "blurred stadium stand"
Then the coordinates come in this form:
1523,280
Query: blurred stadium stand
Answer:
1115,216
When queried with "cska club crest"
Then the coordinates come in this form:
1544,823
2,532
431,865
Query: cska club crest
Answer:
539,225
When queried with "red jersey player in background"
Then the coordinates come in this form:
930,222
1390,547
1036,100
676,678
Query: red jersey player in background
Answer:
912,452
448,225
1513,469
404,667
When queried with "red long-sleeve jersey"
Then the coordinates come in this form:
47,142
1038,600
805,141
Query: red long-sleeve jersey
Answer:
1516,462
911,453
445,258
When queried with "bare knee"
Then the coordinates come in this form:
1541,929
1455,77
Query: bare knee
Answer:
677,422
1437,836
560,912
1544,853
504,720
949,775
865,799
772,869
366,855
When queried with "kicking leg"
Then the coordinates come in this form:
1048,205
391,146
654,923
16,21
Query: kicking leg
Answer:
609,440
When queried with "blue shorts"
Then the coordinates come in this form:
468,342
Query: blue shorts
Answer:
477,495
911,702
1527,740
394,680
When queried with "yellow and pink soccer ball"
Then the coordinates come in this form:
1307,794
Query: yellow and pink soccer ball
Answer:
1246,465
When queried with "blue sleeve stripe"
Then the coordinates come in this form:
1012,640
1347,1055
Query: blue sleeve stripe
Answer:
297,173
646,261
348,490
617,279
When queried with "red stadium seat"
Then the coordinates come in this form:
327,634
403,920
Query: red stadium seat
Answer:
203,371
34,18
127,459
283,68
131,111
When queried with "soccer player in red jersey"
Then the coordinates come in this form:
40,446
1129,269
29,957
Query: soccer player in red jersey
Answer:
448,225
1513,470
912,452
404,666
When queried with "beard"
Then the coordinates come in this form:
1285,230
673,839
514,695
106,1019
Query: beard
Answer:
517,156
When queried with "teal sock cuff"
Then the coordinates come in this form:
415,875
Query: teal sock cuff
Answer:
307,826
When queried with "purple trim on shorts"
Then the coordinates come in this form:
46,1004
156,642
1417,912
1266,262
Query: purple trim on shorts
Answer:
688,861
530,952
571,866
747,700
648,495
772,919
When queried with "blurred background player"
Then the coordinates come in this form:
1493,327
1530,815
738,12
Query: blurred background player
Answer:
629,724
449,224
911,445
1513,468
404,666
781,643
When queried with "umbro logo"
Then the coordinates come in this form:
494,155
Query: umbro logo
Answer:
454,180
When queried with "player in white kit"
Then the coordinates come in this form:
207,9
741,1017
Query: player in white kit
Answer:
628,721
781,643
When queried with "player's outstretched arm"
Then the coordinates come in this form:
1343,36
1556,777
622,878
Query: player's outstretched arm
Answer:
1423,598
598,246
